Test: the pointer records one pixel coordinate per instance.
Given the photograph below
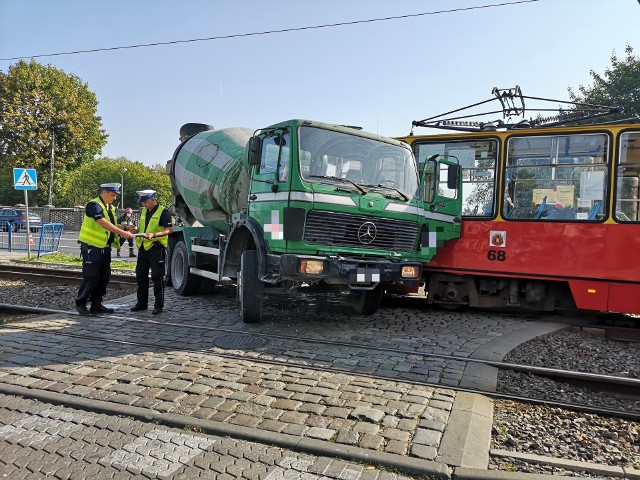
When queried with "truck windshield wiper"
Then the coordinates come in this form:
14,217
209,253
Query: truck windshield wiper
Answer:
404,197
328,177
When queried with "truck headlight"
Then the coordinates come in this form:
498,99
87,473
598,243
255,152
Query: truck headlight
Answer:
311,267
410,271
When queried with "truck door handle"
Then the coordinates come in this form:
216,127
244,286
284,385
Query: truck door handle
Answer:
252,197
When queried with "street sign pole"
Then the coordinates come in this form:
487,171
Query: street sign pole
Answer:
26,207
26,179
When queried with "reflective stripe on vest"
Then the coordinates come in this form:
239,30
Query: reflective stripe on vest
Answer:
153,227
92,233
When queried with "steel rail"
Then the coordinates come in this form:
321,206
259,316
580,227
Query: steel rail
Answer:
61,276
626,414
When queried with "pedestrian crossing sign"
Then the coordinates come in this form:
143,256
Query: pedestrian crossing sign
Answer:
25,179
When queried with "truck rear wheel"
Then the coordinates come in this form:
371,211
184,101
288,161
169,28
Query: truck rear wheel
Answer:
167,268
250,288
366,302
184,283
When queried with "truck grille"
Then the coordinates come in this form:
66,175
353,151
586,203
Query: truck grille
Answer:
360,231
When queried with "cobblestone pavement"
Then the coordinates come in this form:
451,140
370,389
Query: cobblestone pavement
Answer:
281,384
39,440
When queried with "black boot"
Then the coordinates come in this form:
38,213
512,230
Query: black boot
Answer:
82,309
99,308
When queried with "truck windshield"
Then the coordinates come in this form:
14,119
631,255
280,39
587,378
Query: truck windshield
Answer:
327,155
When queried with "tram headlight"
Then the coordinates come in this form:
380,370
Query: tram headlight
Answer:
311,267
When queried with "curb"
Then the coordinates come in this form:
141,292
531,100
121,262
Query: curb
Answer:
485,377
462,473
409,465
573,465
467,438
499,347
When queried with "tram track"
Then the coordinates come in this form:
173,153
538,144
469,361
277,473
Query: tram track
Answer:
622,387
544,371
59,276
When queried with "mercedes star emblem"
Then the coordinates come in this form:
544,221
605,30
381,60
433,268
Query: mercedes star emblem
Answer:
367,233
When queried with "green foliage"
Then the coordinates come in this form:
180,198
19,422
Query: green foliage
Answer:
38,103
83,183
618,87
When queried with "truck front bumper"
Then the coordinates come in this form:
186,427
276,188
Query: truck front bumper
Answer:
357,274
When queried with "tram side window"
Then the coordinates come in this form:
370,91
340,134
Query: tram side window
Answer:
556,178
478,161
628,178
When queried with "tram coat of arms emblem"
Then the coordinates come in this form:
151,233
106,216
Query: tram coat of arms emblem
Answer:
497,238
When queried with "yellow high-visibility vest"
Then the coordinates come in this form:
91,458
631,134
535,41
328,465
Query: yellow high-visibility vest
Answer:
92,233
153,227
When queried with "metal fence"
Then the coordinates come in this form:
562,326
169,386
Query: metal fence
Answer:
42,240
71,218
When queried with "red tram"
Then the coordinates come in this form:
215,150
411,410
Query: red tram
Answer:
551,218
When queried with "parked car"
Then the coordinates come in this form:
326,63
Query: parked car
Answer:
18,220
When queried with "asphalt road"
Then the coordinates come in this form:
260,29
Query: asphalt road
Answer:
69,245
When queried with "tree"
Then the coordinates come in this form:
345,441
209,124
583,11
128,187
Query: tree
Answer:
39,104
83,183
618,87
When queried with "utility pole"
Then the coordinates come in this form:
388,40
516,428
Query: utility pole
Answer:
124,170
53,141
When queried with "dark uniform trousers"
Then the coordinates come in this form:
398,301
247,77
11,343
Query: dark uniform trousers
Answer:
153,259
96,272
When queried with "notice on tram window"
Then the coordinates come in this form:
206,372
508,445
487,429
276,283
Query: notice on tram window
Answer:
561,195
591,185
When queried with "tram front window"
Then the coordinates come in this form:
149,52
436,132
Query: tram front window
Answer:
478,161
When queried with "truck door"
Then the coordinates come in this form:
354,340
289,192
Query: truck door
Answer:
270,185
441,184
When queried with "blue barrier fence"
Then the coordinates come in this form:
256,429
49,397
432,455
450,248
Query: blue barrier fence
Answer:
43,239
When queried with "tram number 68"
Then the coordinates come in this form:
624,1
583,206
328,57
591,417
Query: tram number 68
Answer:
499,255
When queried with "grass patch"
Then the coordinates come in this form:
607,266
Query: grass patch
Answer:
76,260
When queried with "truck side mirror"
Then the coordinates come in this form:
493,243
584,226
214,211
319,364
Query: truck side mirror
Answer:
453,178
255,147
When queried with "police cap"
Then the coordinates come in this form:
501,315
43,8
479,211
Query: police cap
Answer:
146,194
112,187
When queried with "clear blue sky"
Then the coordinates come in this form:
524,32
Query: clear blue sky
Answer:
379,75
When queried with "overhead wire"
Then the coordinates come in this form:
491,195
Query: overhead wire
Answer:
271,32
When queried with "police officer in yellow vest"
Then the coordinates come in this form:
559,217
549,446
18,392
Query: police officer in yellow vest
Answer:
156,224
98,234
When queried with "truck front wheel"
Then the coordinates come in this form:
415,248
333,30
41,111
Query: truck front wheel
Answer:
250,288
366,302
184,282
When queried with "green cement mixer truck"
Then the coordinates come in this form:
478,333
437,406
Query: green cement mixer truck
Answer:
304,203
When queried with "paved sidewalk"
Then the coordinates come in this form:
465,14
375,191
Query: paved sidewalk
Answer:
43,440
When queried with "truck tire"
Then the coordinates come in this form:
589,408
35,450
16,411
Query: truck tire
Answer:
250,288
184,283
367,302
167,268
